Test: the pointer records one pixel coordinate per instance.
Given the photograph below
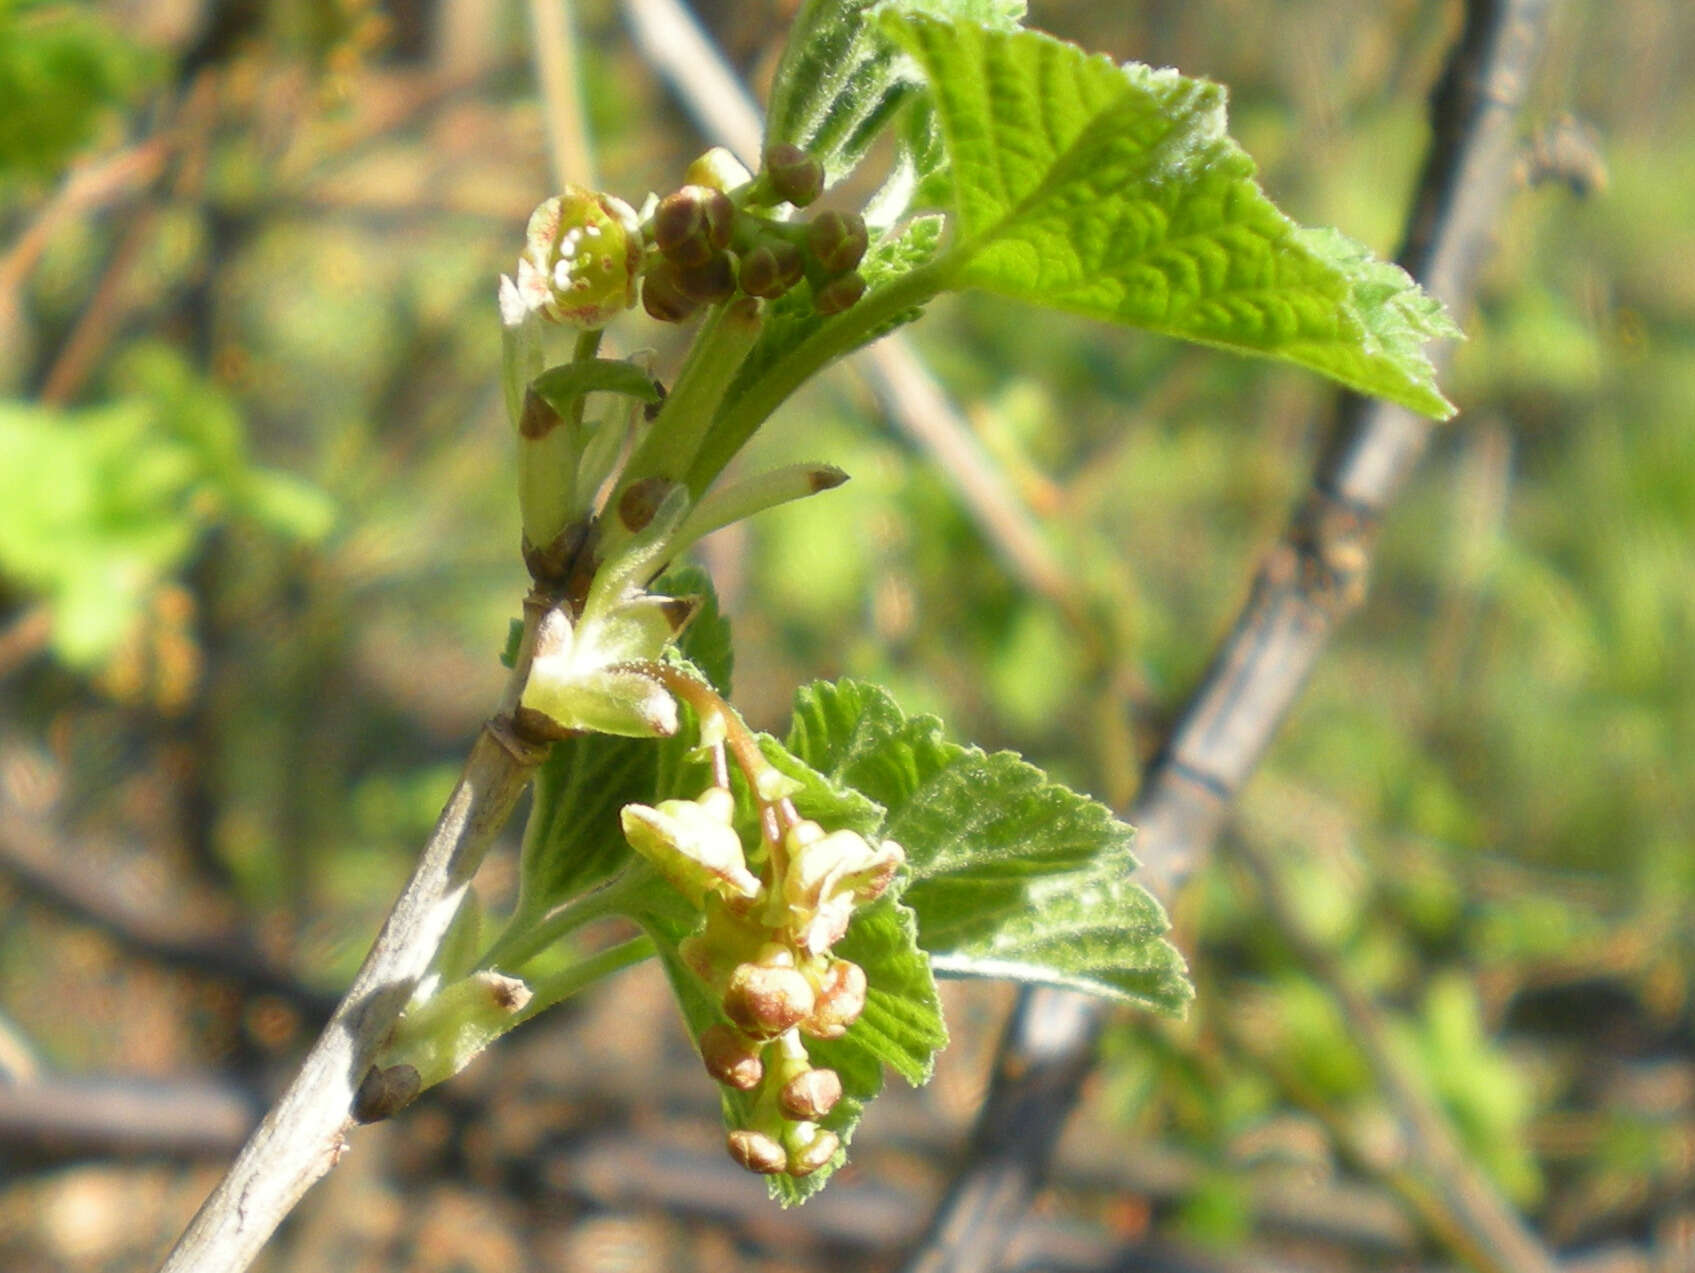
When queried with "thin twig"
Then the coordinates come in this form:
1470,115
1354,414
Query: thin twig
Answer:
56,871
1492,1233
25,637
103,315
675,46
304,1135
1308,583
88,186
127,1115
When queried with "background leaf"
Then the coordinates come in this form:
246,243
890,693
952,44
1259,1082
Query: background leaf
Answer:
1116,192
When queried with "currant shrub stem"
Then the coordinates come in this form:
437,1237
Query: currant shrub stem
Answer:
303,1135
584,973
524,939
705,700
738,420
587,346
711,364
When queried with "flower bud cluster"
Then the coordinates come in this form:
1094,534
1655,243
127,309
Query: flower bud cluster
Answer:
765,952
706,245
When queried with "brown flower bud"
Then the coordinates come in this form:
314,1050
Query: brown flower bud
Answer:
757,1152
691,225
764,1001
810,1094
815,1154
708,283
837,240
839,294
770,268
793,175
731,1058
840,1000
662,297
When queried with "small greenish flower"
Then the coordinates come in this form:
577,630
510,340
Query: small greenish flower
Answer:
840,1000
582,255
580,678
693,845
830,875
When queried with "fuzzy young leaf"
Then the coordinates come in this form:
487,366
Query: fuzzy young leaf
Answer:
1011,875
1116,192
842,78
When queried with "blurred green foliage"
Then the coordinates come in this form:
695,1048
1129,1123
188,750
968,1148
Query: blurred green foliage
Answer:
64,71
1482,807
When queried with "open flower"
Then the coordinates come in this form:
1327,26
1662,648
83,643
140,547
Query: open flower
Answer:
582,254
693,844
828,876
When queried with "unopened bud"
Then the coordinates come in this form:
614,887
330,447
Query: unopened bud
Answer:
814,1154
764,1001
839,294
770,269
662,295
837,240
810,1094
709,283
793,175
693,224
385,1091
731,1058
758,1152
840,1000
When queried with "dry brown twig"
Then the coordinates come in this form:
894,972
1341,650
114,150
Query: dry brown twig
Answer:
67,877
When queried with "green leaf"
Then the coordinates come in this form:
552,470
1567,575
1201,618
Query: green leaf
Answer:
1116,192
100,505
1012,875
842,79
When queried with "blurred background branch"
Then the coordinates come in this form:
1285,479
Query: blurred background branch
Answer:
1308,582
